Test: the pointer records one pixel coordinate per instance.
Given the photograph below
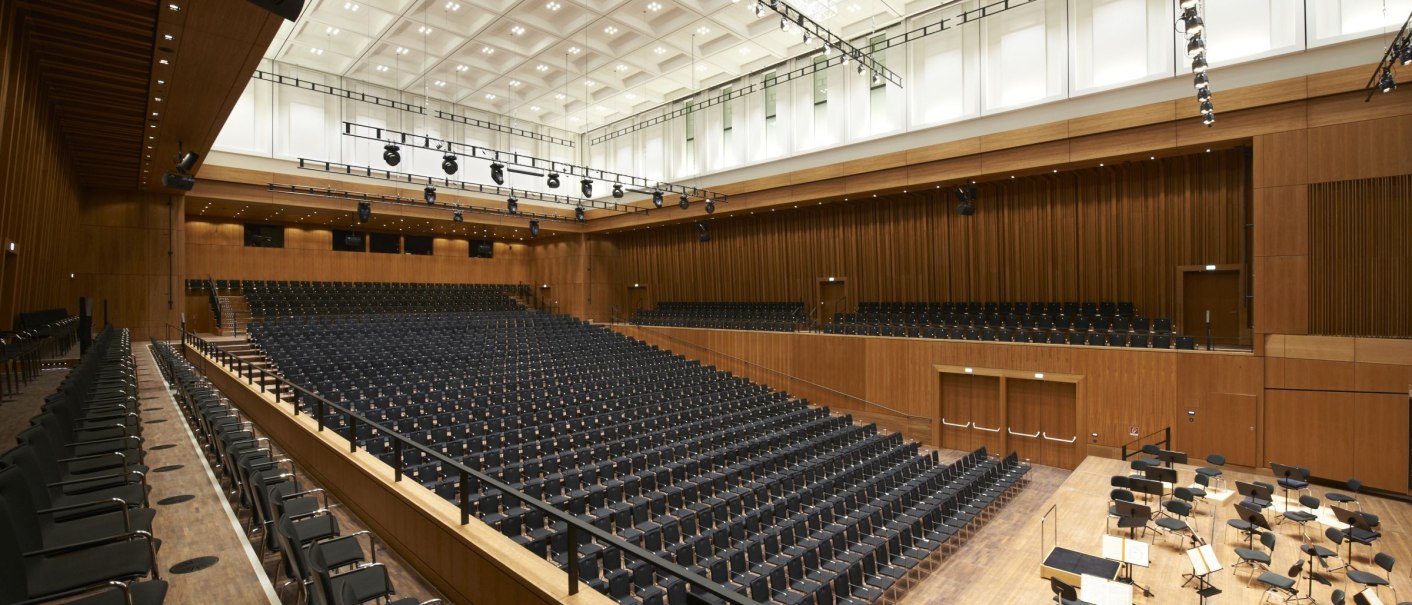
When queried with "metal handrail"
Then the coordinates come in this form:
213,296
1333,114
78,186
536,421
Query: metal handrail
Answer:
1034,436
244,369
1046,437
1166,441
981,428
959,426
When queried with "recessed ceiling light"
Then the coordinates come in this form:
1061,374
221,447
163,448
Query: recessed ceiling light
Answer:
167,37
461,68
453,6
351,6
610,30
574,50
487,50
317,51
659,50
424,30
401,50
440,83
514,82
559,97
620,67
164,61
489,97
703,30
381,68
745,50
553,6
700,68
534,108
331,30
173,7
654,7
631,96
589,82
517,30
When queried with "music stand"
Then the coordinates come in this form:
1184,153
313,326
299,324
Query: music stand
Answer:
1203,564
1171,457
1254,519
1358,529
1129,553
1146,487
1132,515
1309,571
1258,496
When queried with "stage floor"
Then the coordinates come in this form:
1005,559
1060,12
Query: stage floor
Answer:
1001,563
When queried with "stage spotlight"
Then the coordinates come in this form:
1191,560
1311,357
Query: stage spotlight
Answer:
1186,4
703,232
1387,83
448,164
1404,54
618,190
877,79
1209,119
586,186
1198,64
182,182
365,212
1203,94
657,199
457,216
578,213
1201,81
759,9
534,228
1195,46
553,180
429,194
187,161
807,37
1193,23
710,205
860,67
1206,107
497,173
512,205
684,202
391,154
965,201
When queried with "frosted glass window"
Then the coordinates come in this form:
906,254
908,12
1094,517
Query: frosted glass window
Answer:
1247,29
1335,20
238,133
821,80
771,89
306,131
942,74
727,110
1116,42
1017,57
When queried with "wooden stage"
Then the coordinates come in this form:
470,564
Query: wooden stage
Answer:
1001,563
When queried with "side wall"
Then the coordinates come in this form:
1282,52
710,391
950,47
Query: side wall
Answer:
39,189
129,250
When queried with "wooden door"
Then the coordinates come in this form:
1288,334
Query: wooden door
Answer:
1040,414
833,300
969,400
1216,292
1225,424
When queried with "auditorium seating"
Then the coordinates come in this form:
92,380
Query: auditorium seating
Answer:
37,335
770,317
74,520
285,516
761,493
298,299
1113,324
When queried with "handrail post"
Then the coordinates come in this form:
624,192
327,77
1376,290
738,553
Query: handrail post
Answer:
353,434
397,459
1168,438
466,497
573,556
319,411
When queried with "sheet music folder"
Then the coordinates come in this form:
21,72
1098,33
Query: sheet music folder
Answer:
1203,560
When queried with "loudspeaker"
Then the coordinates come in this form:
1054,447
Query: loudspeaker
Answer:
183,182
289,9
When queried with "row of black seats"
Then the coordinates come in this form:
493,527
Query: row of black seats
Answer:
297,299
1064,323
1052,309
1093,339
74,518
657,464
36,336
327,566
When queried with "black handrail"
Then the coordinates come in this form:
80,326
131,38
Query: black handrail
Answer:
1166,442
215,300
244,369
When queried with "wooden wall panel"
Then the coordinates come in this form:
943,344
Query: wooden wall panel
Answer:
971,399
1340,435
129,248
1112,233
1380,436
215,248
38,186
1360,257
1225,391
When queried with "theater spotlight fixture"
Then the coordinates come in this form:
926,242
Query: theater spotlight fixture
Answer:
365,212
186,161
553,180
1386,83
534,228
703,232
429,194
391,154
965,201
457,216
578,213
618,190
586,186
448,164
1198,64
683,202
1201,81
497,173
512,205
657,199
710,205
1404,54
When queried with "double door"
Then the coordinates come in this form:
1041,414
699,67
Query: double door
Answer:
1033,415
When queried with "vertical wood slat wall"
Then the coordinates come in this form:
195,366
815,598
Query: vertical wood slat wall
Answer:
1360,257
39,191
1102,233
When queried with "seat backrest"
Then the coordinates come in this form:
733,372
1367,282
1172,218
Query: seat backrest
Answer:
1334,535
1310,502
1385,561
1268,539
13,582
1216,459
1062,589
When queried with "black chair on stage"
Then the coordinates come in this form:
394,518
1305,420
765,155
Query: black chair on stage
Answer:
1359,531
1256,495
1255,558
1214,471
1249,521
1322,553
1383,560
1065,594
1282,584
1291,478
1353,486
1303,517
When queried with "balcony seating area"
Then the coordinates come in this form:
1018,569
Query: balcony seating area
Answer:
75,524
769,317
764,494
301,299
1111,324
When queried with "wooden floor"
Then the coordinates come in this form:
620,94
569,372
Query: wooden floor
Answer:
1001,563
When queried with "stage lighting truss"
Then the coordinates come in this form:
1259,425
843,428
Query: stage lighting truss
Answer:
1397,54
448,184
788,15
397,200
637,184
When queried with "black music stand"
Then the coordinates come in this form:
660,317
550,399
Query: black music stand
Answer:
1203,564
1311,575
1358,529
1146,487
1170,457
1132,515
1289,475
1252,520
1257,496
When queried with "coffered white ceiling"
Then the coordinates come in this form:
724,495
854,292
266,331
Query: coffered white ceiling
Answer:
571,64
